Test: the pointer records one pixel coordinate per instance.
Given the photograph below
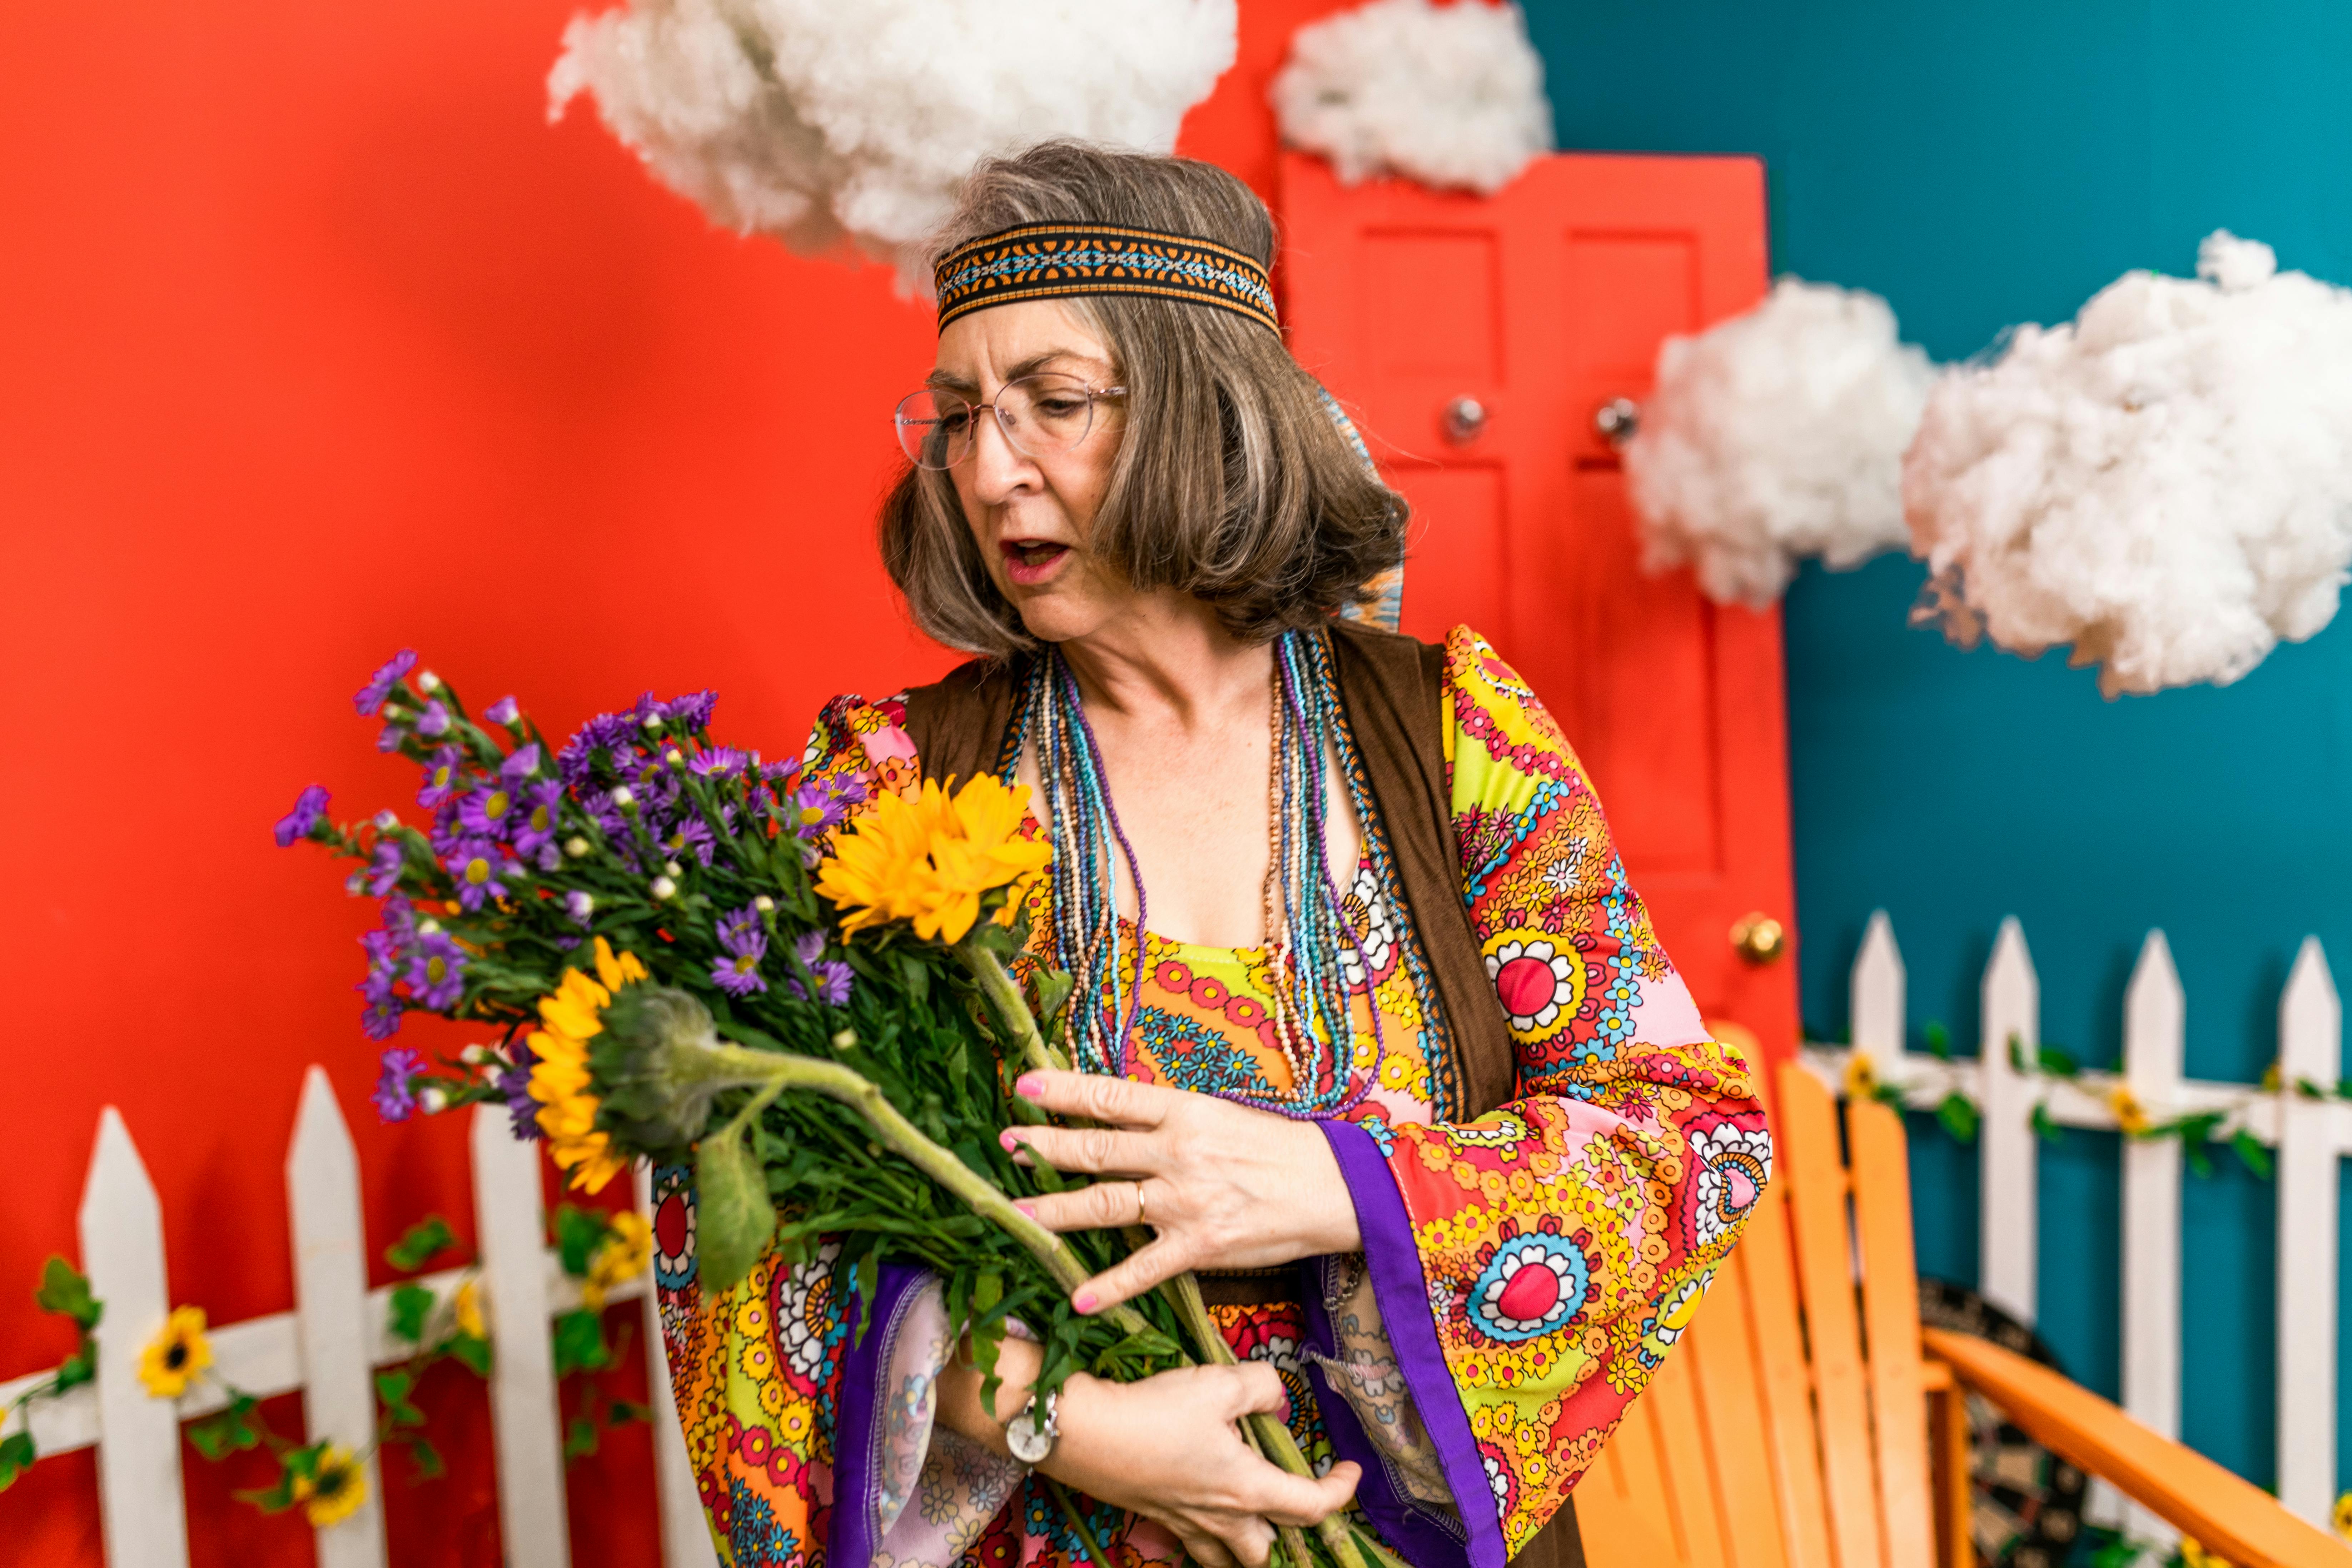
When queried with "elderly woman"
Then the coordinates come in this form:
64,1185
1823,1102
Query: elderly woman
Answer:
1373,1033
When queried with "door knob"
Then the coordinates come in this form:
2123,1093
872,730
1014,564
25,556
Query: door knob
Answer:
1759,938
1464,417
1617,420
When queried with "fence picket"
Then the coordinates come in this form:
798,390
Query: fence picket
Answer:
1876,991
142,1512
685,1538
2311,1047
510,1225
2008,1222
2155,1019
322,1194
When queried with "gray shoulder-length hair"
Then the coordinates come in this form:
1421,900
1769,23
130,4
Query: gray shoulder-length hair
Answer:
1232,483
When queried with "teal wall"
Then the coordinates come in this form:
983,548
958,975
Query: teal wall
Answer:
1983,164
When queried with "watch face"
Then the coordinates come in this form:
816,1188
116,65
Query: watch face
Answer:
1029,1444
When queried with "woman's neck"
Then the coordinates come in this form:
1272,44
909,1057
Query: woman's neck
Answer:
1169,659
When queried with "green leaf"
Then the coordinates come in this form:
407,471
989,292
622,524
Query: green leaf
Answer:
393,1387
426,1458
219,1435
420,1243
78,1368
473,1351
1053,987
65,1290
2250,1153
580,1438
2057,1061
621,1411
2017,1053
2046,1129
17,1457
1958,1116
733,1218
578,1234
579,1343
2309,1089
1887,1094
1938,1038
411,1305
295,1464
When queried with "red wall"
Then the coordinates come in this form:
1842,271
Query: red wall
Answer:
316,340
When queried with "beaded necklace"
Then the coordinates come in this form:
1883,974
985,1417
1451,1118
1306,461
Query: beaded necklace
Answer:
1308,931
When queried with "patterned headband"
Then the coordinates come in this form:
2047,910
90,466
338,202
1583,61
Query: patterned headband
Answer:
1049,260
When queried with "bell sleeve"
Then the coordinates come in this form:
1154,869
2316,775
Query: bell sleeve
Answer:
810,1443
1523,1274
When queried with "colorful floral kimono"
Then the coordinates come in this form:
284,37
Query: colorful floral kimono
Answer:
1523,1274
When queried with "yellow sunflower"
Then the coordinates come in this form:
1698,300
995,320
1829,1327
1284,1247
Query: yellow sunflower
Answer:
177,1353
2131,1116
1861,1076
620,1257
468,1307
333,1490
559,1080
930,858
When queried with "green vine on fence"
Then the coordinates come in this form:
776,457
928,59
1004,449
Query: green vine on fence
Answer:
329,1481
1962,1117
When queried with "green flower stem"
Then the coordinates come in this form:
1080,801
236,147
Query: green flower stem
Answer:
1005,1001
835,1081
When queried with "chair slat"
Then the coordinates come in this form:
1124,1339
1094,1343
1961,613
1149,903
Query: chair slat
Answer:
1890,1306
1765,1261
1641,1471
1616,1534
1721,1346
1685,1443
1807,1160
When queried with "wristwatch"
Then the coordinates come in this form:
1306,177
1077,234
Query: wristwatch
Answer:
1031,1436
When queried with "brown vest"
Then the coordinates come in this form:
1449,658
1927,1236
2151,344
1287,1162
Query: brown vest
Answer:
1392,688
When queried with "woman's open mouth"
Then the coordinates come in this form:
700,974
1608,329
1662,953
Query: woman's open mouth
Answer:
1029,561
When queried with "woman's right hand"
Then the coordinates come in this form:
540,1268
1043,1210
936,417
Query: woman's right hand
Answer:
1166,1448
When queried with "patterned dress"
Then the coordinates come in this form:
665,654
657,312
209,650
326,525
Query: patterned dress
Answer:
1523,1274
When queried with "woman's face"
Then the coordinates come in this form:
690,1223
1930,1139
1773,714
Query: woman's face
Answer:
1030,516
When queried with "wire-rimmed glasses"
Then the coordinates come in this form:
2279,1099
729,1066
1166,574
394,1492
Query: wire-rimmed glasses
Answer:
1042,417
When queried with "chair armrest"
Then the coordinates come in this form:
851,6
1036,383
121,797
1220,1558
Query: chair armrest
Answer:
2224,1513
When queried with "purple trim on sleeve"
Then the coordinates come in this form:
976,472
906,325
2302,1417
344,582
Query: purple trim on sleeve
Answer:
857,1418
1402,1292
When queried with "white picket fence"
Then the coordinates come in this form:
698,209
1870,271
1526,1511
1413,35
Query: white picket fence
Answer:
327,1345
2309,1135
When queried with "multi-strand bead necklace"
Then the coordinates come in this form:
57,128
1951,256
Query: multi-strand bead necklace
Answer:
1308,930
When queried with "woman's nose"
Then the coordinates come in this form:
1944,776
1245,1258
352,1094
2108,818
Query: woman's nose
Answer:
997,470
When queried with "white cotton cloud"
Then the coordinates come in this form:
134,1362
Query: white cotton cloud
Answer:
820,121
2165,483
1776,436
1450,96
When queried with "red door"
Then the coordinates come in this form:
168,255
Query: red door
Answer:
1541,306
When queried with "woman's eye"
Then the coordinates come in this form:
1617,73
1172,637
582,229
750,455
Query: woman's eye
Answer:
1060,407
953,423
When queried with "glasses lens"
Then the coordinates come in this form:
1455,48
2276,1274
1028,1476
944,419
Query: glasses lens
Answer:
934,428
1045,415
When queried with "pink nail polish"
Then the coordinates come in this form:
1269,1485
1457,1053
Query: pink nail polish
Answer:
1029,1086
1007,1141
1028,1209
1085,1301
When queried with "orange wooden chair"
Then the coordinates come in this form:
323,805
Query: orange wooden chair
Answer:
1807,1421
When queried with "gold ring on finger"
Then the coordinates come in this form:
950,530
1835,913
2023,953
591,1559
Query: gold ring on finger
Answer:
1139,1216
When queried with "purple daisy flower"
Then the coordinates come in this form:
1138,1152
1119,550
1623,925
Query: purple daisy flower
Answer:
514,1088
389,738
489,811
481,868
380,1020
394,1100
369,697
537,815
386,951
400,917
444,776
720,762
384,872
693,710
436,972
818,806
737,970
434,721
503,711
310,810
692,835
521,765
832,976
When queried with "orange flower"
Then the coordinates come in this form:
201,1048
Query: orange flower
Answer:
932,859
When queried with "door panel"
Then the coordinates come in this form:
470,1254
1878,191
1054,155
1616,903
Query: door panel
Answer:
1544,303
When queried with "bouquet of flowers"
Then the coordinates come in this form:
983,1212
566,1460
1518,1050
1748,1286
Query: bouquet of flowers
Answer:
681,970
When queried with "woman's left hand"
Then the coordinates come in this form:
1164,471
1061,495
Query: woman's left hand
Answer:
1224,1186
